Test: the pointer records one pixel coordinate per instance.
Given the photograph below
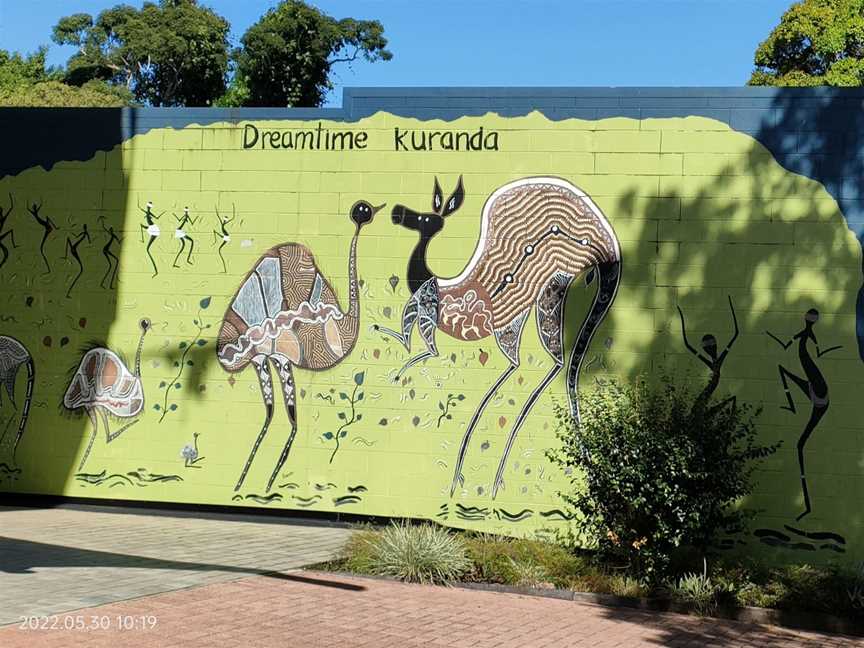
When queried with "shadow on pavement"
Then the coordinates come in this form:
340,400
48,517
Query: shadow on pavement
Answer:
22,556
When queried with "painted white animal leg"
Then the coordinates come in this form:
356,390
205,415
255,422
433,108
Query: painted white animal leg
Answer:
286,377
262,368
92,414
550,325
508,338
409,316
113,435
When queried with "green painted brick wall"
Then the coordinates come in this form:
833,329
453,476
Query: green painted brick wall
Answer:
703,214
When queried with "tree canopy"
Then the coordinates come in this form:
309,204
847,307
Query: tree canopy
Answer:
818,42
287,57
25,81
174,53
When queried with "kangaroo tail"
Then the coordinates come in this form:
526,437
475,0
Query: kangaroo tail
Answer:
609,277
28,400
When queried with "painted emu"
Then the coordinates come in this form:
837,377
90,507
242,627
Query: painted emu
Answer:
103,383
537,235
13,355
286,313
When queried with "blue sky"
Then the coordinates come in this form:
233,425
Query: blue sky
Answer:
502,42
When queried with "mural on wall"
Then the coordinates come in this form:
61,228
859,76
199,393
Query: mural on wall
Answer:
223,236
48,227
152,229
14,355
537,235
183,236
711,359
103,384
4,233
110,258
704,216
285,313
813,386
72,248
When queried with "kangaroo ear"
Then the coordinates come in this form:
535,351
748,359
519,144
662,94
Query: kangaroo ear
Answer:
454,202
437,197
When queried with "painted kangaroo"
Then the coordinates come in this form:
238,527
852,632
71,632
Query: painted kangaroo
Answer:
537,235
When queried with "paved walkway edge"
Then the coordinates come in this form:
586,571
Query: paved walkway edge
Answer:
792,619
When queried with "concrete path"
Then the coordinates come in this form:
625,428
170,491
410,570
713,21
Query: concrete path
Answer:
61,559
310,609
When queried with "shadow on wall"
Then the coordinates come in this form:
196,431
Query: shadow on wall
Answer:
738,233
60,250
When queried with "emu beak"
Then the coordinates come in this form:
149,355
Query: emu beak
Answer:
375,210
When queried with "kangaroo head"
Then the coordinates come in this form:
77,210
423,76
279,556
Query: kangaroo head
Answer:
430,223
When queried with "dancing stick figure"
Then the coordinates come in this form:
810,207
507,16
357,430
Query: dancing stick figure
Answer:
72,246
4,216
181,234
152,230
713,361
48,226
814,387
110,257
223,234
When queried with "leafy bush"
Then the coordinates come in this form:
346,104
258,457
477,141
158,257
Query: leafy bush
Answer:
425,553
655,470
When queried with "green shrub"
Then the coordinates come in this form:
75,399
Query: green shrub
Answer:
513,561
655,470
425,553
697,590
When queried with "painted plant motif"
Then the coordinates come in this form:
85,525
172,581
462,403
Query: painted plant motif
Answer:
286,313
14,355
537,235
103,383
813,386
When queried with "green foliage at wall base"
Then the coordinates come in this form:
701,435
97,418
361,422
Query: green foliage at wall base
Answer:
660,474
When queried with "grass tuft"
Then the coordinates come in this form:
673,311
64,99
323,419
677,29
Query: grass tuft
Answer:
425,553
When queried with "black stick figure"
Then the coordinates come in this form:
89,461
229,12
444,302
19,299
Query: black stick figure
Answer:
713,361
181,234
224,235
152,230
110,257
48,226
72,246
813,386
4,216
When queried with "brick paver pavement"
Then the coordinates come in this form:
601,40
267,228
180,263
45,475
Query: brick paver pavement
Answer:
60,559
311,609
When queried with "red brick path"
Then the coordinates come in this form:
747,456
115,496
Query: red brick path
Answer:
308,609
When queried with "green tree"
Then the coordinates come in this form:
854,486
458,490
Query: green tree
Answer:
174,53
17,70
54,94
818,42
287,56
